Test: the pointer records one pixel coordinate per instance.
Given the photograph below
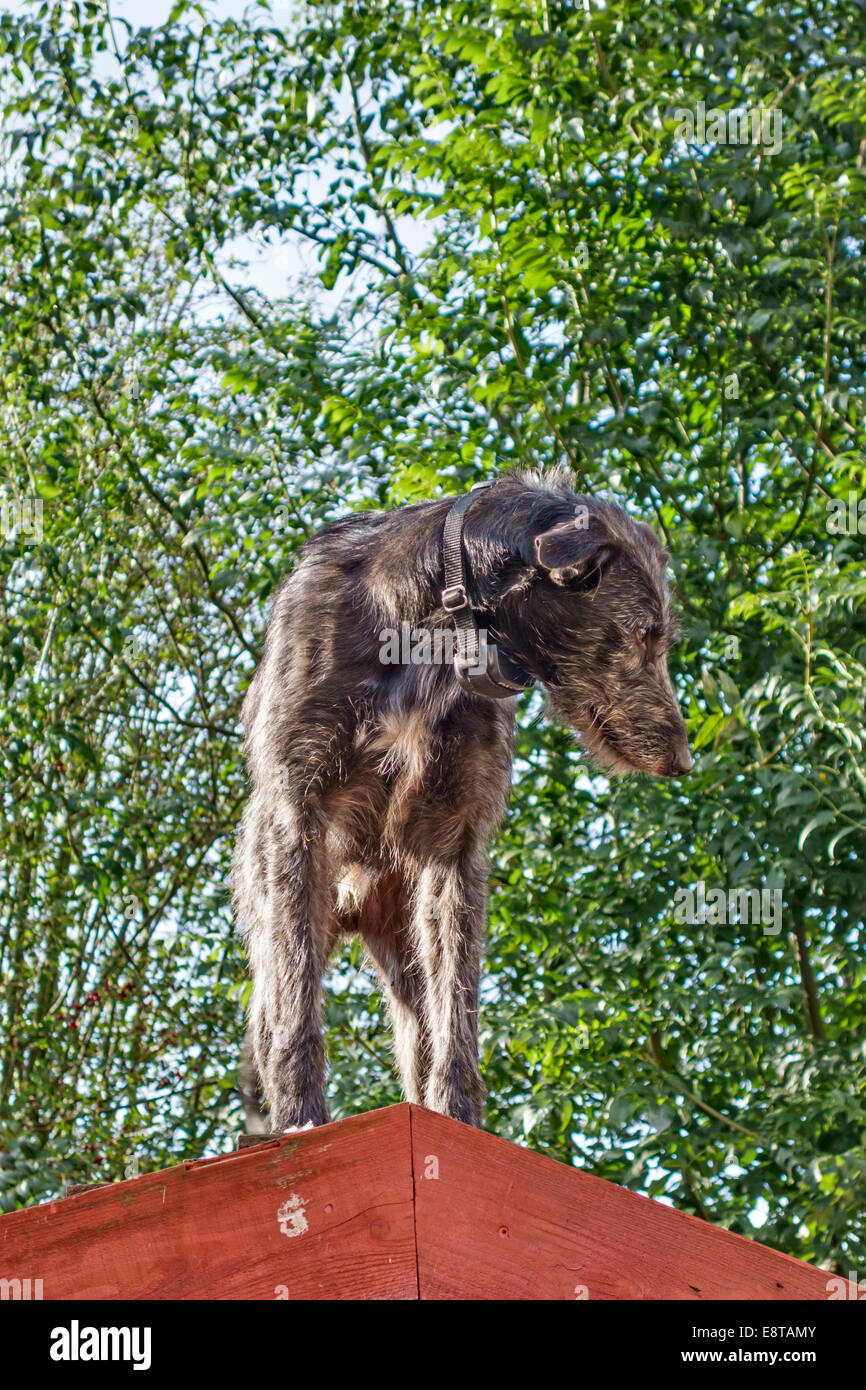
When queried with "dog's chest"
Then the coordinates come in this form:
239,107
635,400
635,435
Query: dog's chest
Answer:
399,747
392,758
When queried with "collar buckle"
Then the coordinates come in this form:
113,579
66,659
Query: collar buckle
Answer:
455,597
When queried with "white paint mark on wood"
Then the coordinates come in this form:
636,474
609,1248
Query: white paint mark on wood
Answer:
292,1216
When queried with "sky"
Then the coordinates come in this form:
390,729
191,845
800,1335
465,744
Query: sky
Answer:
264,265
154,12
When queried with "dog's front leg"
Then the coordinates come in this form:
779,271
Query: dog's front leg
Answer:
294,1073
449,926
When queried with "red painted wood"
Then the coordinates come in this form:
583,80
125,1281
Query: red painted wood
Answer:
213,1229
383,1206
500,1222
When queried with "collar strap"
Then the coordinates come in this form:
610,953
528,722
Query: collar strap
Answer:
479,666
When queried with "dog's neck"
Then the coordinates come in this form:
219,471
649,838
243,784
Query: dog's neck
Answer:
499,528
498,535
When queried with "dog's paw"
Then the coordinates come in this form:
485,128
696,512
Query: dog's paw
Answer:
298,1129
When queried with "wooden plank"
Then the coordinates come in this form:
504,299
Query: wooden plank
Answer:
324,1214
250,1141
334,1213
74,1189
494,1221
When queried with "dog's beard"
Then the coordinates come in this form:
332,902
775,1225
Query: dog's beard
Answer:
602,744
605,755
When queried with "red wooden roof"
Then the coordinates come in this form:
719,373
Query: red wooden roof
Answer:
395,1204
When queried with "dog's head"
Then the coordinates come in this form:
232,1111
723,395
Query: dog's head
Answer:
597,613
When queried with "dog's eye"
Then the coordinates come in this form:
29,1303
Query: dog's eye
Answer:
643,635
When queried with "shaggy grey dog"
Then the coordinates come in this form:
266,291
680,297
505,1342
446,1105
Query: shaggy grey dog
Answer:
377,785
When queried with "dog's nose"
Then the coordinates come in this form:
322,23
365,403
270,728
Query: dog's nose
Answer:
681,762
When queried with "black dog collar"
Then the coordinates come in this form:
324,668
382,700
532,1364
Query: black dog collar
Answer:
480,668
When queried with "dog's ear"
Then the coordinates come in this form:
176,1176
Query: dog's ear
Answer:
575,549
